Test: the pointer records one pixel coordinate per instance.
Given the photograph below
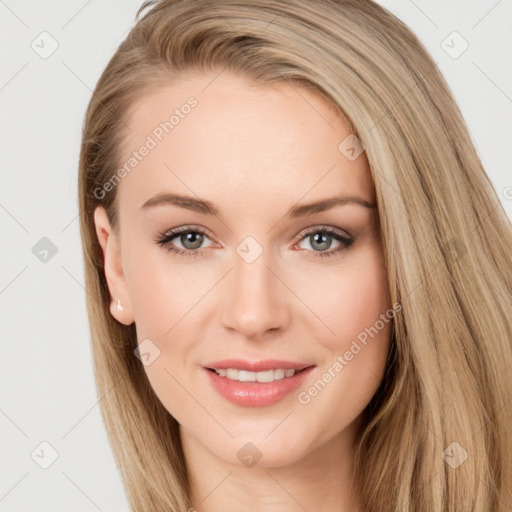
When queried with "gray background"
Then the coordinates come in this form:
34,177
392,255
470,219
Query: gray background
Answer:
47,391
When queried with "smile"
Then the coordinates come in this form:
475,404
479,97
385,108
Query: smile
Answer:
247,376
256,384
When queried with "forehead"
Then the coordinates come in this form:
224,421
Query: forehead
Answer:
222,137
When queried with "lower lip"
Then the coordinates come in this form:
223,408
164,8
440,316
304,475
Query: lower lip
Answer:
257,394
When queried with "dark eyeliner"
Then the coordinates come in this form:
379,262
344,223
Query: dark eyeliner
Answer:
165,238
346,242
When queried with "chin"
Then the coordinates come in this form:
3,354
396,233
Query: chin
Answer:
263,453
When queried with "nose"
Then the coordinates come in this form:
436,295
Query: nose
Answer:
256,298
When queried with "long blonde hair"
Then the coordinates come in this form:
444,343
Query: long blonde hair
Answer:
446,239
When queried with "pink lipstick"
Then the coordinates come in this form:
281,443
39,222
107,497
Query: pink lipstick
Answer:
256,383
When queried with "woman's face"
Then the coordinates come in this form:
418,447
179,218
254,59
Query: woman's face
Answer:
261,277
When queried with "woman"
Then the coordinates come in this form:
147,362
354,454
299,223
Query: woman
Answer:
298,272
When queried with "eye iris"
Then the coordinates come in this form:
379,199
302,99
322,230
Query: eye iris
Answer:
193,238
323,245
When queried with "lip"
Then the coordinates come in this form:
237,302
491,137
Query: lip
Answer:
257,394
256,366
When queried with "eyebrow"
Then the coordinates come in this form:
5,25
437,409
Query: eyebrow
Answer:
208,208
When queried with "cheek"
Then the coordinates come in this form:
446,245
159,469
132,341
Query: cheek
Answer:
165,298
358,310
162,291
352,297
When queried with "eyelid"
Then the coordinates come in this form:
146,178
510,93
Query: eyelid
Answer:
305,231
324,227
165,237
185,229
343,237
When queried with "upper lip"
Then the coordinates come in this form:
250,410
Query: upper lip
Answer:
256,366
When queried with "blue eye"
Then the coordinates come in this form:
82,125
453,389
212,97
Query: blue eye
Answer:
192,238
323,237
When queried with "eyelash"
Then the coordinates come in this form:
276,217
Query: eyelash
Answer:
164,239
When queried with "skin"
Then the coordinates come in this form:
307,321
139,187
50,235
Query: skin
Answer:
255,151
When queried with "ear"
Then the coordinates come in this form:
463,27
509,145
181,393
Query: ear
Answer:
113,268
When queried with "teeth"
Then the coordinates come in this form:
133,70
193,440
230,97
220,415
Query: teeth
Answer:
279,374
232,374
267,376
246,376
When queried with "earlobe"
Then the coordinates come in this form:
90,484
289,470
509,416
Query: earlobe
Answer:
121,313
120,306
